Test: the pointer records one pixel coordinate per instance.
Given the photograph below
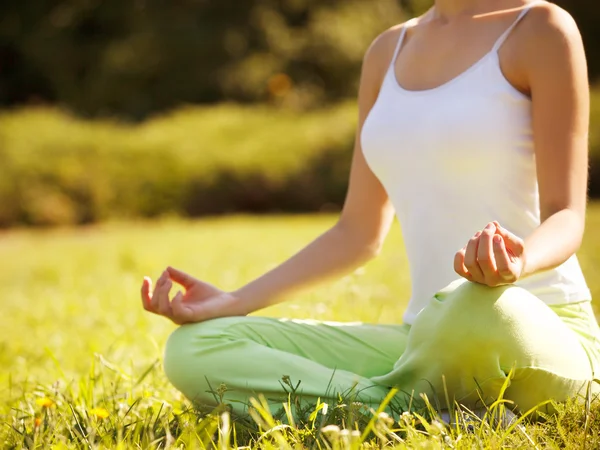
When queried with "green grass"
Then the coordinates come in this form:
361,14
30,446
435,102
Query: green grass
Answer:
72,331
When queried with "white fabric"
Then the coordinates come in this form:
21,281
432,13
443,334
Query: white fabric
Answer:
452,159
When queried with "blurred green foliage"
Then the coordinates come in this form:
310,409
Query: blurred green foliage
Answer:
58,169
132,59
137,59
587,16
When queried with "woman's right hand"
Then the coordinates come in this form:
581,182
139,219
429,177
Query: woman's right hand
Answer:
200,302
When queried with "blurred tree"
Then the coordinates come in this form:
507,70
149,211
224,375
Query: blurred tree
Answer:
132,58
587,15
138,57
416,7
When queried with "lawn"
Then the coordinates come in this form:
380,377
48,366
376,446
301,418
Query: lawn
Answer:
81,360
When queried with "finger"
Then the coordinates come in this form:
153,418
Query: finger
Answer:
164,303
485,253
471,259
158,292
513,243
459,264
160,280
502,259
181,277
145,291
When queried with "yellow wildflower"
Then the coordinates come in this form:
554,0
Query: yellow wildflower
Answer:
37,422
44,402
100,413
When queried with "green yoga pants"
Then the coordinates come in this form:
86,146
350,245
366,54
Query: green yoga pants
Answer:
463,346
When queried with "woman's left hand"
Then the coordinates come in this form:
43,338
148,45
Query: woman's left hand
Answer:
494,257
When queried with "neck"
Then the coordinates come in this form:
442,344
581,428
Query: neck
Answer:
448,9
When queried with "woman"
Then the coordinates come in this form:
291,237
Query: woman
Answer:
473,127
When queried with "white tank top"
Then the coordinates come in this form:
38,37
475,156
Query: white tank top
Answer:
452,159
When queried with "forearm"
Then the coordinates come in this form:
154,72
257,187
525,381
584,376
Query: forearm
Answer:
553,242
334,253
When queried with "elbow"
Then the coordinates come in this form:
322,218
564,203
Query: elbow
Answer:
365,245
577,242
371,245
362,254
577,226
365,252
571,221
374,249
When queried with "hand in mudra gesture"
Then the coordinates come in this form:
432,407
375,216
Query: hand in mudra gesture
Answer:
200,301
493,256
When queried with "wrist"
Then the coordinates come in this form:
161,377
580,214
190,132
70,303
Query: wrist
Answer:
235,305
254,296
527,267
241,301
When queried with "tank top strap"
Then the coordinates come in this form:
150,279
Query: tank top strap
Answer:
406,26
520,17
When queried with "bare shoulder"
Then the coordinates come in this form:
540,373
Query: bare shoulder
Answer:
549,29
377,60
381,50
546,48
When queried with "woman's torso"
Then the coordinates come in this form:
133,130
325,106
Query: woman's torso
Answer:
453,158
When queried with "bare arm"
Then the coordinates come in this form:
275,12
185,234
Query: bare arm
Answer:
557,72
363,224
356,237
549,64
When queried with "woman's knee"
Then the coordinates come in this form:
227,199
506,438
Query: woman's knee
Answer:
461,292
189,357
463,304
507,322
472,316
179,358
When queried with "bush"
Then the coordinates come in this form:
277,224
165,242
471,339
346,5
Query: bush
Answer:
58,169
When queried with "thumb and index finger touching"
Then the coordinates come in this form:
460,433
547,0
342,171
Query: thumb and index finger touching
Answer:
181,277
176,275
513,243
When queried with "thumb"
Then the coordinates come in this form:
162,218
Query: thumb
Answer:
182,312
181,277
513,243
